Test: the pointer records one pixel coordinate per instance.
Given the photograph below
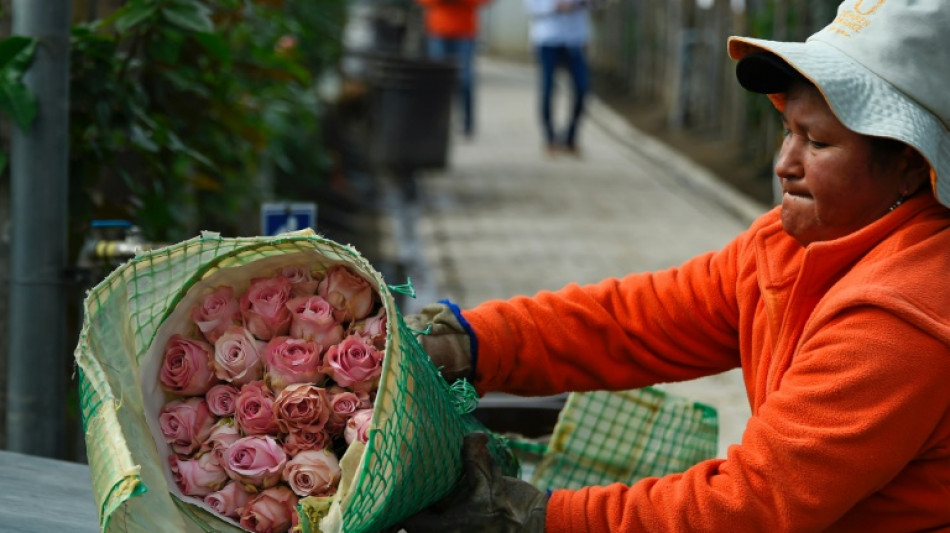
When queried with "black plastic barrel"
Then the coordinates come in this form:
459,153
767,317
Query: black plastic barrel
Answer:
411,112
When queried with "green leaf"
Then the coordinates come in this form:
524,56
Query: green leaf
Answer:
132,15
17,102
16,54
191,17
142,139
215,45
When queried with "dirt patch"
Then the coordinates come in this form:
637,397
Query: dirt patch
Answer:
725,159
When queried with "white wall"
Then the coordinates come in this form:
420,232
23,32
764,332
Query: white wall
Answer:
504,29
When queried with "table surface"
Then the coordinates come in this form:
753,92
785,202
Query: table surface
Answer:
38,494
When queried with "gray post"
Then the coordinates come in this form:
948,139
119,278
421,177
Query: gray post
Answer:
38,366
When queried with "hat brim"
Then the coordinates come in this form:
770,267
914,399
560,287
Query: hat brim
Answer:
764,72
862,101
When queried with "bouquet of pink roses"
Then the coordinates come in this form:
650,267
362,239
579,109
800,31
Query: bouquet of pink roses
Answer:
263,384
266,388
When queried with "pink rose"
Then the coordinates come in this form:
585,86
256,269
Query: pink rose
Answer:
264,307
357,426
237,356
350,295
221,399
342,405
271,511
302,407
290,360
187,368
254,410
302,439
186,424
216,312
312,318
223,434
257,461
354,360
197,477
229,500
313,473
374,328
302,282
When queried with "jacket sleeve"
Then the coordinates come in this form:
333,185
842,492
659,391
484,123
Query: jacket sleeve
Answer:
619,334
855,410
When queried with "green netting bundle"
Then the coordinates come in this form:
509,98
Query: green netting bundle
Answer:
604,437
412,456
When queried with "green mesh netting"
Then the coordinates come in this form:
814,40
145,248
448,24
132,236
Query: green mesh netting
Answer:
412,459
605,437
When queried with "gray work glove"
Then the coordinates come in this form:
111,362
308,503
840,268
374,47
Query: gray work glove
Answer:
484,500
442,336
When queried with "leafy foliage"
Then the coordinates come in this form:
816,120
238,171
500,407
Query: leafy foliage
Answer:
178,105
16,100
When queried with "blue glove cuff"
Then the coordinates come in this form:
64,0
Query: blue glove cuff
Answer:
472,339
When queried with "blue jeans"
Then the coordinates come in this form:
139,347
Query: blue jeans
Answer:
573,59
462,52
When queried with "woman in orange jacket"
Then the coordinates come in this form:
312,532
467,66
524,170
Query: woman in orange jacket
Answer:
451,30
834,304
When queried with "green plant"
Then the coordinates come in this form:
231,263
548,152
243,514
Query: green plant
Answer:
16,100
177,104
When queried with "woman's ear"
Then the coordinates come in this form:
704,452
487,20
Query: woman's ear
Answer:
915,171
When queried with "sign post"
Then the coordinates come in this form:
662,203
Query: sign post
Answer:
284,217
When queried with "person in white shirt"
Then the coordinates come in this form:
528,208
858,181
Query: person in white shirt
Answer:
560,30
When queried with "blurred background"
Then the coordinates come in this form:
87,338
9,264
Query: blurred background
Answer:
126,124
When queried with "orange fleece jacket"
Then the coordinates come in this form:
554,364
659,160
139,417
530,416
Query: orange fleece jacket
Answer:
845,351
457,19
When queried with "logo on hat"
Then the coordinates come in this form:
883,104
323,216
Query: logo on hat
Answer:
852,21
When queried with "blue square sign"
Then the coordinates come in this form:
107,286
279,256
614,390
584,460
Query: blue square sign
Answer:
284,217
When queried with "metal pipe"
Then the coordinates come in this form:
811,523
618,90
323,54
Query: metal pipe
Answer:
38,357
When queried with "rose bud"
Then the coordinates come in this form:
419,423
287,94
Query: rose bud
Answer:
256,461
223,434
264,307
312,318
302,282
342,405
350,295
254,410
221,399
353,360
374,329
302,406
357,426
237,356
216,312
313,473
272,511
188,367
229,500
302,439
186,424
289,360
197,477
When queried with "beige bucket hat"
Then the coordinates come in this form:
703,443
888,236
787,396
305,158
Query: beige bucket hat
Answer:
882,65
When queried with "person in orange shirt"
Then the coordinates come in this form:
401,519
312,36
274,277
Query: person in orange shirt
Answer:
834,304
451,31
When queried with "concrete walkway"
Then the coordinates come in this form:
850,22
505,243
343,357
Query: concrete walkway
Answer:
507,219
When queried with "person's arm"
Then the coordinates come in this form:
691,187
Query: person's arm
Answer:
619,334
859,404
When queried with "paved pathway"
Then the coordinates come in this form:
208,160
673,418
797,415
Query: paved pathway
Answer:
508,219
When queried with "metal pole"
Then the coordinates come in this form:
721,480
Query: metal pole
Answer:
38,368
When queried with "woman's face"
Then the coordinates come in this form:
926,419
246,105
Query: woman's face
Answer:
831,183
